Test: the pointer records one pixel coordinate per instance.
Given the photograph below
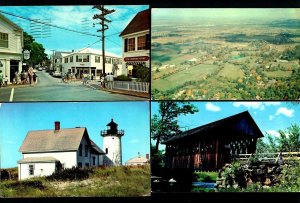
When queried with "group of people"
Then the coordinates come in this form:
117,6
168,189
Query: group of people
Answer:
107,80
86,77
23,77
67,77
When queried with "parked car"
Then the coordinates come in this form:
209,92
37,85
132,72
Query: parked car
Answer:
56,74
40,68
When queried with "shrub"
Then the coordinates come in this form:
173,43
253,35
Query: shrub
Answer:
37,184
74,173
122,78
205,176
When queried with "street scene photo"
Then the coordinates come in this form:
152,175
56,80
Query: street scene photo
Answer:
78,149
225,54
74,53
225,147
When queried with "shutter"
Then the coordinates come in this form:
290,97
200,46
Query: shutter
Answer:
125,45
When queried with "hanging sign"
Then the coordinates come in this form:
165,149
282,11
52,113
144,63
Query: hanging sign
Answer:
26,54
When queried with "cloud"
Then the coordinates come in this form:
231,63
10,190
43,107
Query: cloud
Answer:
272,103
273,133
249,105
262,108
211,107
133,141
271,117
285,111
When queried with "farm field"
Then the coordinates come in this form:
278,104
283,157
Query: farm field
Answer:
252,57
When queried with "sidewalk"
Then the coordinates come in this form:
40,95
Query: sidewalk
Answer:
95,85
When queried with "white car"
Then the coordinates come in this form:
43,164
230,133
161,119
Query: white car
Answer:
40,68
56,74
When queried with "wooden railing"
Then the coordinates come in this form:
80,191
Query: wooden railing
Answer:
269,157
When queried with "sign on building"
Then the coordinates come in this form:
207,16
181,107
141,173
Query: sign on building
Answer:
26,54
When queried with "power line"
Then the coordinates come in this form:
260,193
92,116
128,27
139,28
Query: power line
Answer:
48,24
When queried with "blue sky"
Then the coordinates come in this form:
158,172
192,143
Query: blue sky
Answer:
269,116
18,118
77,18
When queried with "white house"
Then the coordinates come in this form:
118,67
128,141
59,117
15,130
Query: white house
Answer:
138,161
11,44
90,61
136,43
45,151
57,60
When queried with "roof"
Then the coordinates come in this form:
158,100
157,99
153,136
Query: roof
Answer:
10,22
93,51
234,122
46,159
137,159
139,23
67,139
112,123
96,148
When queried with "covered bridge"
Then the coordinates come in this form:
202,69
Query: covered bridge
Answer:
210,146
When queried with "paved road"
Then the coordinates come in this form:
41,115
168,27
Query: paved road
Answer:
53,89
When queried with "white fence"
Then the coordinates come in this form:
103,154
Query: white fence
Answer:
132,86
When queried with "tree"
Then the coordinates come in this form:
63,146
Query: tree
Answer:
165,124
37,51
143,73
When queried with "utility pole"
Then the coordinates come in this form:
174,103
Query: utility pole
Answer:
102,18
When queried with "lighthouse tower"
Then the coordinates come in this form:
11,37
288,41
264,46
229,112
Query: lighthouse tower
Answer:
112,144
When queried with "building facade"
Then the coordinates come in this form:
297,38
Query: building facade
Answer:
138,161
46,151
89,61
136,43
11,45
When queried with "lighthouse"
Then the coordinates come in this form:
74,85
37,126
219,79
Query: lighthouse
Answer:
112,144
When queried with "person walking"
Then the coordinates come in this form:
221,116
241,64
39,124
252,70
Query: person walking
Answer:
62,77
1,78
5,80
30,74
34,77
106,82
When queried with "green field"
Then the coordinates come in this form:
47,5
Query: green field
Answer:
277,74
231,71
195,73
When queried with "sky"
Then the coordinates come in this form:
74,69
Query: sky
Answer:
78,18
19,118
222,14
269,116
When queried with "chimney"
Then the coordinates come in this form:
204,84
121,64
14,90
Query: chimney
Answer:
57,125
147,156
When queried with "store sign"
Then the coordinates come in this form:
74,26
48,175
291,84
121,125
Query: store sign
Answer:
139,58
26,54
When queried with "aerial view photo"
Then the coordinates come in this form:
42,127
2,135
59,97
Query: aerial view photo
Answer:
221,54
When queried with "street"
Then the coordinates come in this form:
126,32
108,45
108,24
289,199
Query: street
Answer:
53,89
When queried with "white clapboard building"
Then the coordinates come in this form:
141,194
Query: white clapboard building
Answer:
45,151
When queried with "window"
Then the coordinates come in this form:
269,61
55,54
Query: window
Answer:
79,164
85,58
3,40
78,59
99,72
97,59
31,169
148,43
87,164
86,150
106,150
142,42
71,59
66,60
131,44
60,60
80,150
107,60
94,160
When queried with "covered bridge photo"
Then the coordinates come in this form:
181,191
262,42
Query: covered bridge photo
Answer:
211,146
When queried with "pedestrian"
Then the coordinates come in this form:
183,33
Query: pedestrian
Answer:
62,77
5,80
92,76
106,81
30,74
102,81
1,78
34,77
22,77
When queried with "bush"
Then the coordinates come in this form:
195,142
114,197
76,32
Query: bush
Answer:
37,184
208,177
74,173
122,78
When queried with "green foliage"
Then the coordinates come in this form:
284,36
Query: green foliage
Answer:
122,78
143,73
209,177
235,174
74,173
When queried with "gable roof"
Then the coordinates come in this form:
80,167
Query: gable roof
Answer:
137,159
139,23
67,139
234,122
10,22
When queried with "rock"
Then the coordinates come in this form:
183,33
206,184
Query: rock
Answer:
267,182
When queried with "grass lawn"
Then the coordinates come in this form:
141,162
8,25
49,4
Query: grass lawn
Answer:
103,182
277,74
231,71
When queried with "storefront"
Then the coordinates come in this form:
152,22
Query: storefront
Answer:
131,64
